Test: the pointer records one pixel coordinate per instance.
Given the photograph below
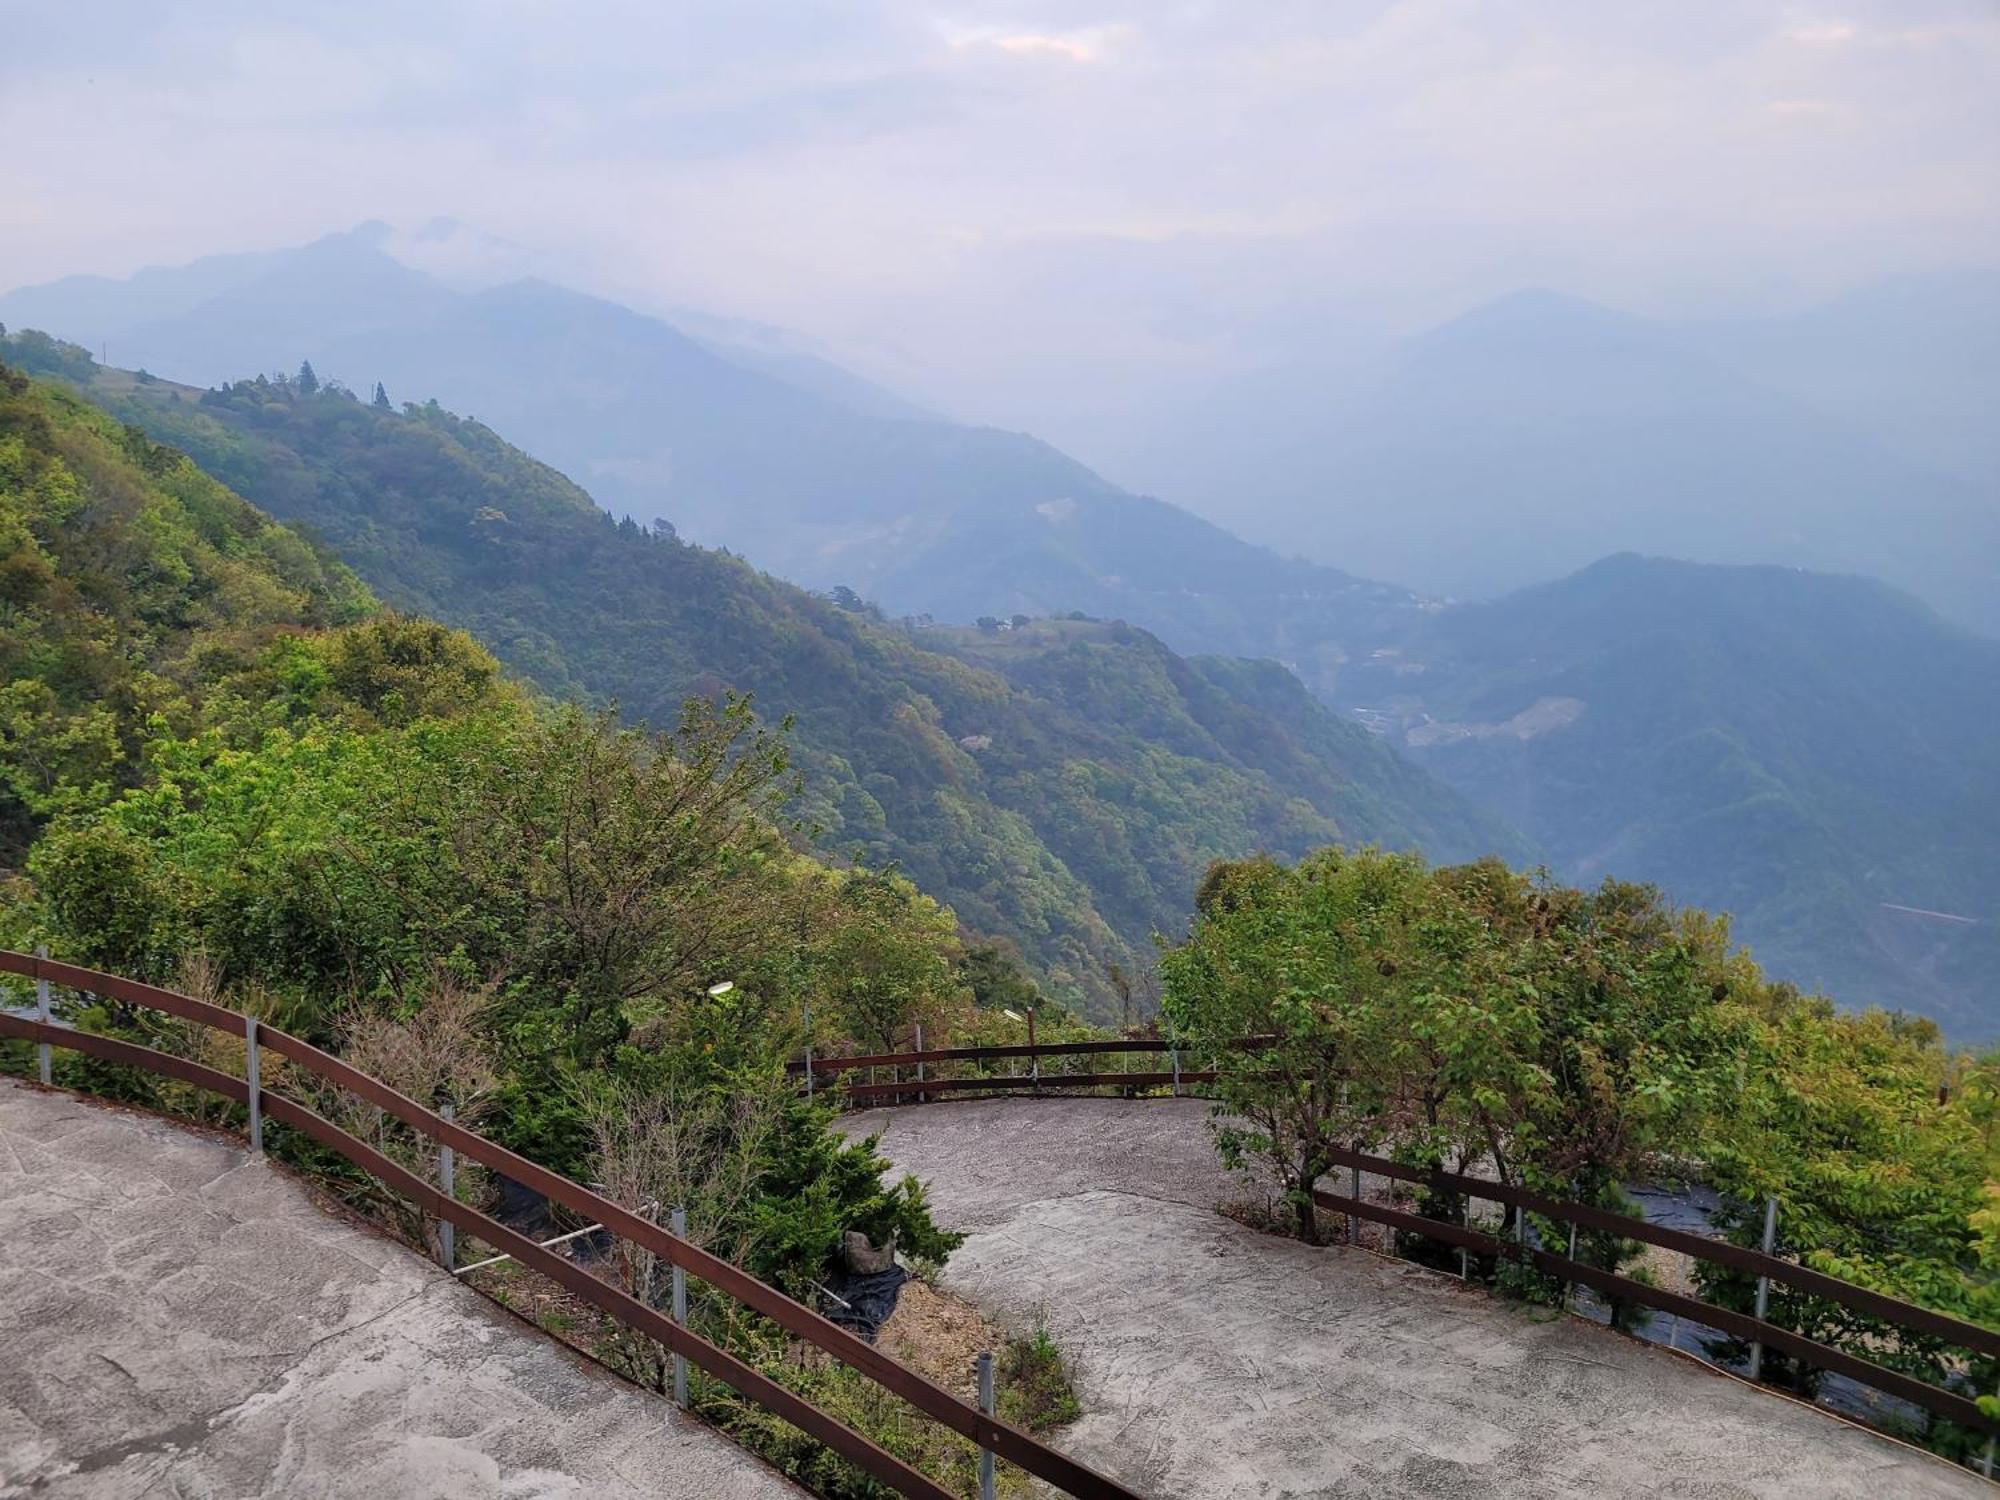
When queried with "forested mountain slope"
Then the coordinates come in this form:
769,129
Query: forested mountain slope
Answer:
134,588
1817,755
1065,820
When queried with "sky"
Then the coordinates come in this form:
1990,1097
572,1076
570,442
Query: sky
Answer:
1007,208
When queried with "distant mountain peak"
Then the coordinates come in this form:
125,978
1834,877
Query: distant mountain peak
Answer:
1536,317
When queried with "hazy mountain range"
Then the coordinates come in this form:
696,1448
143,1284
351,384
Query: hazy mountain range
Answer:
735,440
1540,432
1520,441
1816,755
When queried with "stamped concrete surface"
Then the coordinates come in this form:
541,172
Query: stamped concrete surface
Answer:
1216,1362
182,1320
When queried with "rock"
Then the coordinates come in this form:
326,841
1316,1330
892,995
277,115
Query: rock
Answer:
864,1257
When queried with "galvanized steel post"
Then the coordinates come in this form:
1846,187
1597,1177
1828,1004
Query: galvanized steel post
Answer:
1987,1466
448,1181
1353,1220
1174,1052
44,1058
922,1098
1764,1284
1569,1286
252,1077
984,1365
680,1228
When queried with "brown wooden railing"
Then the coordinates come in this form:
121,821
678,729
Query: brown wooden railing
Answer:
910,1078
1954,1332
1038,1459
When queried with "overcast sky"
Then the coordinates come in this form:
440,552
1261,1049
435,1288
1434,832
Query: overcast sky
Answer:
991,201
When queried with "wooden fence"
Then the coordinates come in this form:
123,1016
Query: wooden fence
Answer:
905,1085
1037,1458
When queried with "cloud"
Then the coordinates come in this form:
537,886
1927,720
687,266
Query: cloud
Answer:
1830,33
1090,45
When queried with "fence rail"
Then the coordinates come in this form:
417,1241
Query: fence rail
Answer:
827,1066
1954,1332
1058,1469
922,1085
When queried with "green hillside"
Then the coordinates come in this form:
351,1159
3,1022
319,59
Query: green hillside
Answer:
1815,755
1066,799
135,589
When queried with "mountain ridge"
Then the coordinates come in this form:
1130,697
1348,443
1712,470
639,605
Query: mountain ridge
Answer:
928,516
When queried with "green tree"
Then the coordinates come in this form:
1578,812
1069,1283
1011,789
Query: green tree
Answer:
1454,1016
1360,976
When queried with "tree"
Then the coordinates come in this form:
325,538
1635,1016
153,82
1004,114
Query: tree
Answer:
1317,958
308,382
880,952
381,402
998,979
1470,1014
1881,1178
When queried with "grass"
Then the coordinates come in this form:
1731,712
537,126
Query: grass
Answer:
1035,1390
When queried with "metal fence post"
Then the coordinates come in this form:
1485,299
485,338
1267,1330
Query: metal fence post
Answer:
448,1181
985,1367
1764,1284
680,1228
1987,1466
922,1098
44,1056
807,1013
253,1078
1174,1053
1034,1057
1569,1286
1353,1219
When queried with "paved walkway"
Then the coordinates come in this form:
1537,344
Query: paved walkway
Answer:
180,1320
1220,1363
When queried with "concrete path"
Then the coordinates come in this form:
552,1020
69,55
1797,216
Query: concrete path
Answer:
1220,1363
180,1320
